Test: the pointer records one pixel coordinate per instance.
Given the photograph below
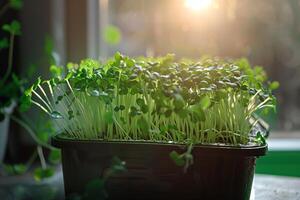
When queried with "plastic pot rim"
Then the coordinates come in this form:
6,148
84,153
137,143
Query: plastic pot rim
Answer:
218,148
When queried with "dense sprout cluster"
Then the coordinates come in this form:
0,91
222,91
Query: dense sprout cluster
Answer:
155,99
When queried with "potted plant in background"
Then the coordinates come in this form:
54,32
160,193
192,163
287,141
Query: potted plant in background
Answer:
185,129
13,103
10,84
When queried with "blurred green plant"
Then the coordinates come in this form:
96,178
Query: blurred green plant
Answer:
16,4
112,35
11,90
95,189
13,4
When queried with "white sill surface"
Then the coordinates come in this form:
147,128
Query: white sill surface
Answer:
268,187
283,144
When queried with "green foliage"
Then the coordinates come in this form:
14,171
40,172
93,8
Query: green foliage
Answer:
274,85
158,99
25,103
56,71
117,166
185,159
260,139
14,28
95,189
177,158
16,169
40,173
12,93
54,156
112,35
16,4
44,129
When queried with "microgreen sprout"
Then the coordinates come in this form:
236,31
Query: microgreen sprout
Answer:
156,99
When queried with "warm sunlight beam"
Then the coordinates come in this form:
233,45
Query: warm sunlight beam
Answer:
198,4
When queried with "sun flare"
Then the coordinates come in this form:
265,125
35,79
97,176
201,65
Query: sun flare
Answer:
198,4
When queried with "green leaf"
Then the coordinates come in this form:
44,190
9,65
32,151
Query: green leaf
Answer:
197,113
130,62
205,102
6,27
16,169
260,139
274,85
40,174
28,91
13,28
20,168
112,35
118,165
16,4
37,83
177,158
118,56
43,136
54,156
4,43
56,71
25,101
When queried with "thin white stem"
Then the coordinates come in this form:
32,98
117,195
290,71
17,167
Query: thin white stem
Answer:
50,89
42,90
46,104
41,107
42,157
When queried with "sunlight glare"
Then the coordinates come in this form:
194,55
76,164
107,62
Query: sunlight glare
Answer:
198,4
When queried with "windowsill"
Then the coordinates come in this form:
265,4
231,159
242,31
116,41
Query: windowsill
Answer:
284,141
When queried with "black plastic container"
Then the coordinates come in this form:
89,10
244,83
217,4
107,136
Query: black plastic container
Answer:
218,172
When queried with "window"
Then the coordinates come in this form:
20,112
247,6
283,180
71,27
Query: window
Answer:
267,34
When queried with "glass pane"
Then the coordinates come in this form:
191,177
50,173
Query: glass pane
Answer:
265,32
